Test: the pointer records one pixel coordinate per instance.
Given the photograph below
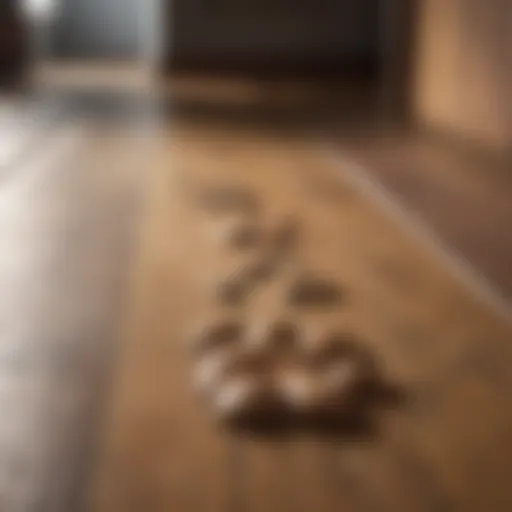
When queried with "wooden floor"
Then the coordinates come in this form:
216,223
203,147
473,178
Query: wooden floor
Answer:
109,266
67,210
445,446
462,193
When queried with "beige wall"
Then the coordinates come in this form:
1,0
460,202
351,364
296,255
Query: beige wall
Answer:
464,69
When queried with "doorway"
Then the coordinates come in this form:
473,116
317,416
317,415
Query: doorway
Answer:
117,30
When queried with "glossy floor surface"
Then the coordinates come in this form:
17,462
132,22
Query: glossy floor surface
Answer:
67,212
106,264
444,348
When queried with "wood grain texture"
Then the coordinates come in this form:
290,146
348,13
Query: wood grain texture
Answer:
445,446
459,193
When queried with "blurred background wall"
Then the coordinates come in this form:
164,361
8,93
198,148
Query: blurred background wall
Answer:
276,31
99,29
464,69
462,49
223,31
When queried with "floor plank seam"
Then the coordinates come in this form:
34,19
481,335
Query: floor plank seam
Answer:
479,285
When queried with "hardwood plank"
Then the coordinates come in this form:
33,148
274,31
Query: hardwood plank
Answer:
164,452
313,483
460,193
266,478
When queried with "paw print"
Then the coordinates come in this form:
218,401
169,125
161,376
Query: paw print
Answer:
278,373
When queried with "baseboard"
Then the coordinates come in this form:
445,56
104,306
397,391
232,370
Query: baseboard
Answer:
328,67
